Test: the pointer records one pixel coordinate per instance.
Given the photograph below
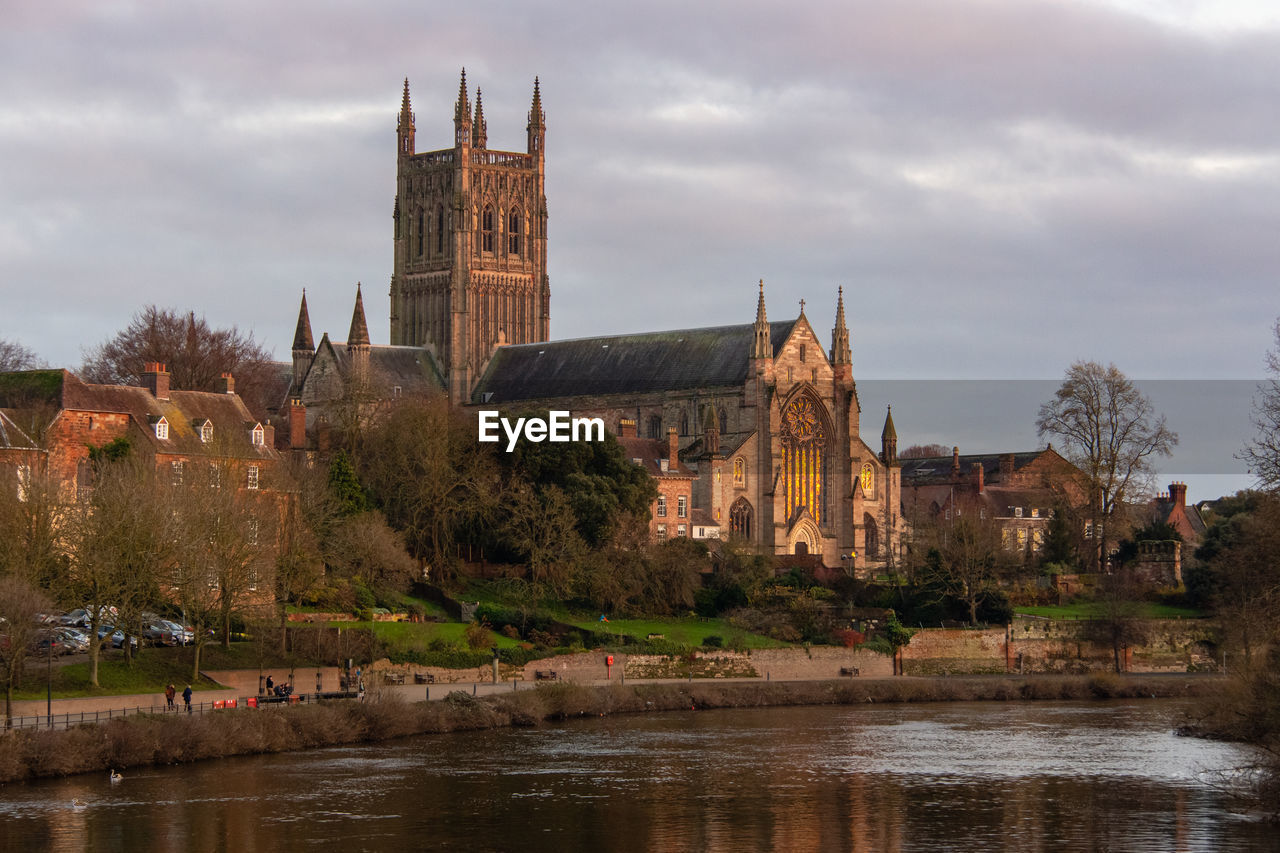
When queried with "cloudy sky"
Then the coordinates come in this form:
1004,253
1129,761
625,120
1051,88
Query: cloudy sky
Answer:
1001,186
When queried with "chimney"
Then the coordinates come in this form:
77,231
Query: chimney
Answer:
228,384
297,424
673,448
1178,493
955,461
626,428
1006,466
156,380
269,435
982,480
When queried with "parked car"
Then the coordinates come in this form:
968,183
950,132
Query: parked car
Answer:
117,637
74,641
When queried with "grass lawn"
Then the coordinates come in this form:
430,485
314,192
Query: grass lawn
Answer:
416,635
687,631
151,671
1095,610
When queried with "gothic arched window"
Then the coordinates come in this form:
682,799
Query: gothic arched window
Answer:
421,233
655,426
870,536
724,421
806,457
439,229
486,229
740,518
740,472
868,480
513,233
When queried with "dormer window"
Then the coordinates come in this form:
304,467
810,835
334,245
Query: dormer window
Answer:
206,432
259,436
162,429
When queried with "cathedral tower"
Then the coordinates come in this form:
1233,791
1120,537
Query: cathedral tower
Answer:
470,226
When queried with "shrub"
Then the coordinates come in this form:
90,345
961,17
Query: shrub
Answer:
849,638
713,641
477,635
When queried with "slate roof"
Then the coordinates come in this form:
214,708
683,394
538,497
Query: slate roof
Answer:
411,368
624,364
651,452
937,469
231,419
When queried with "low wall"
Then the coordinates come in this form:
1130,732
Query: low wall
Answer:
1058,646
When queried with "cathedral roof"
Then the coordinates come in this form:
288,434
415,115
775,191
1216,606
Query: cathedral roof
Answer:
624,364
411,369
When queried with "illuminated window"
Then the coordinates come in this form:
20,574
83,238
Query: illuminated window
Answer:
740,472
868,479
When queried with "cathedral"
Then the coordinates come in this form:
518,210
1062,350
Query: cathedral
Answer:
764,417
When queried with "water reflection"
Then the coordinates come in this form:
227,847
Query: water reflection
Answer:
979,776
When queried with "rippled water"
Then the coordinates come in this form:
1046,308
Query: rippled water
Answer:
980,776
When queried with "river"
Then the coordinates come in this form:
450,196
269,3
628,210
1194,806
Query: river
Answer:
962,776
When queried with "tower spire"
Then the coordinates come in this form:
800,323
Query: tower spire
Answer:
404,127
359,334
302,340
537,127
462,114
840,353
761,346
889,440
479,131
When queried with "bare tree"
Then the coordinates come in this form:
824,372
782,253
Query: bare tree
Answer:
1110,432
14,356
964,556
195,354
924,451
1263,453
20,602
31,516
120,540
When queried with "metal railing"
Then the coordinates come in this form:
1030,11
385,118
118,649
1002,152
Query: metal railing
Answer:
78,718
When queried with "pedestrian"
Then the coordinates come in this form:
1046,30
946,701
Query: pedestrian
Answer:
360,695
169,693
186,698
270,684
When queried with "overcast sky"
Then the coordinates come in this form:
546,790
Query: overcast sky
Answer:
1001,186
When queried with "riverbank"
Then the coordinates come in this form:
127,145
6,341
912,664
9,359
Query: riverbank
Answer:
145,739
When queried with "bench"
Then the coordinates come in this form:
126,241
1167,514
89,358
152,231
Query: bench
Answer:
424,678
545,675
849,671
393,678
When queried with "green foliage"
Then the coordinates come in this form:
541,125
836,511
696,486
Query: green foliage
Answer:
1059,540
601,482
113,451
713,641
895,633
348,495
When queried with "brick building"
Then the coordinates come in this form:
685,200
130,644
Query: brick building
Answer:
1018,491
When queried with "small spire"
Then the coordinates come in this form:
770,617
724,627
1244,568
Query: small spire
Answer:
479,131
462,109
761,346
840,353
406,110
302,339
359,334
537,127
889,440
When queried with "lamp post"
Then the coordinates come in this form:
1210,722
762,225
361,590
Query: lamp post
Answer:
49,694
